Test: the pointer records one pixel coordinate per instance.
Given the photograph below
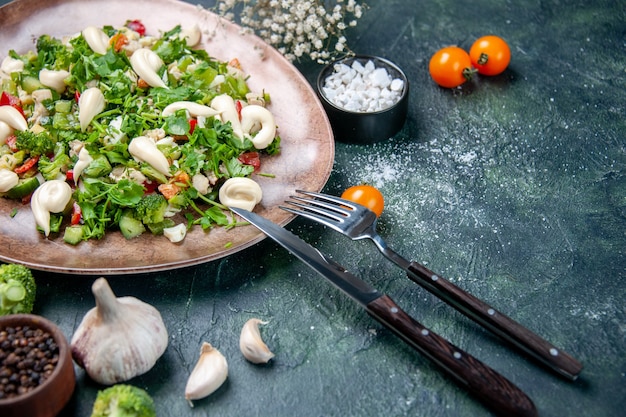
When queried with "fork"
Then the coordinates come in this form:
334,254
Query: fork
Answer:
357,222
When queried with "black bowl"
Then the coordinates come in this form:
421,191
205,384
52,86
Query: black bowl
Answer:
365,126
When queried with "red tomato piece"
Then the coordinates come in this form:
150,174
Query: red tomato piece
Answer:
238,107
27,165
77,214
251,158
11,142
137,26
10,100
192,125
150,186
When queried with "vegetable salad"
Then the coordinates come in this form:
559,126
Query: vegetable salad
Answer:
132,129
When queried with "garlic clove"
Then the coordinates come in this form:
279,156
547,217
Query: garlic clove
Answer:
251,344
120,338
194,109
10,65
90,104
50,197
146,63
12,117
5,132
54,79
84,159
208,375
8,180
145,149
192,35
225,105
176,233
240,192
97,40
253,116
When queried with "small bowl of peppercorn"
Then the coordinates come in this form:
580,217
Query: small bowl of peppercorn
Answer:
37,376
365,97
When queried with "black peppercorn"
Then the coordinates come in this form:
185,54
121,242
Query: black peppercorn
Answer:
27,358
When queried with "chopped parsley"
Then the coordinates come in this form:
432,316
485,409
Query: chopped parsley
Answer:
114,183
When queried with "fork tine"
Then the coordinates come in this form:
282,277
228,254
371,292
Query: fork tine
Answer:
321,207
333,224
309,208
329,198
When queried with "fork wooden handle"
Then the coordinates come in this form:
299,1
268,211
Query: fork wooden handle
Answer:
495,321
487,385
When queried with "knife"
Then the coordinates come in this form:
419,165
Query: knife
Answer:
489,387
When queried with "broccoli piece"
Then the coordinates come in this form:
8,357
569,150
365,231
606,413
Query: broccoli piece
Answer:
123,400
151,209
50,169
35,143
52,53
17,289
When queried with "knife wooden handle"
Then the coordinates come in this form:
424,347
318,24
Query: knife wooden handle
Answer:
495,321
493,389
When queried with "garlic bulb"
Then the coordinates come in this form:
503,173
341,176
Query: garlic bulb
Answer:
251,345
145,149
146,63
240,192
208,375
51,197
119,338
90,103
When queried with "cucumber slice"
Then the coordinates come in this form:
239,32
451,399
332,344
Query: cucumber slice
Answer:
30,84
63,106
130,226
73,235
24,187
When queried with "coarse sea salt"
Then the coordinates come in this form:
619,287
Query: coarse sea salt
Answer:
362,88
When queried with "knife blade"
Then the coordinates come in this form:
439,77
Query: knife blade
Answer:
491,388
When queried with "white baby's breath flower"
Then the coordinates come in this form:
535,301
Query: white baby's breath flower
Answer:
319,25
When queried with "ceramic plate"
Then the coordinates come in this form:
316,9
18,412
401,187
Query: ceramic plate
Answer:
305,161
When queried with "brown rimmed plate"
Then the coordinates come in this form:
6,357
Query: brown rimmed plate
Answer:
305,161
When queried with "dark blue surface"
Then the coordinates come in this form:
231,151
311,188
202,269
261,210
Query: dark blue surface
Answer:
513,187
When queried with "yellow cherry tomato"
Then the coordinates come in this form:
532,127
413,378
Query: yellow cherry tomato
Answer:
367,196
450,67
490,55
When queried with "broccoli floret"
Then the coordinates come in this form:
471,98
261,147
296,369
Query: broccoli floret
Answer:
35,143
151,209
17,289
123,400
50,169
52,53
